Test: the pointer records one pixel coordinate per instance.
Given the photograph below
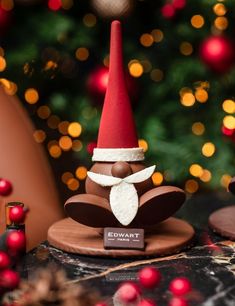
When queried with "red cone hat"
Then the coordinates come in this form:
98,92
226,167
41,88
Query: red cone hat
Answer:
117,138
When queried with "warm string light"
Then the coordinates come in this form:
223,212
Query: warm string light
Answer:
31,95
3,64
82,54
201,95
197,21
203,174
157,178
198,128
157,35
65,143
68,131
229,106
89,20
219,9
229,122
67,4
73,184
208,149
39,136
225,180
75,129
77,145
220,22
191,186
206,176
71,181
43,112
50,65
146,40
81,173
186,48
9,87
188,97
143,144
135,68
66,176
196,170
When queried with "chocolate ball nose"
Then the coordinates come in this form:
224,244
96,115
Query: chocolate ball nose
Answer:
121,169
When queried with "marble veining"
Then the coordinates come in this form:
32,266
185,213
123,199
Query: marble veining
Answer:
209,264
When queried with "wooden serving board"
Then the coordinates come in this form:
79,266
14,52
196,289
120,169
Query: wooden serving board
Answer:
166,238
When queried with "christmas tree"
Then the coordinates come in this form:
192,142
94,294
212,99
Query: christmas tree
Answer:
180,73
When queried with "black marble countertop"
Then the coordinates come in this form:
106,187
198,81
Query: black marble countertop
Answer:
209,264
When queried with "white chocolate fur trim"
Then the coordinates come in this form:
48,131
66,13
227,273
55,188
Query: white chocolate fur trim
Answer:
140,176
113,155
124,202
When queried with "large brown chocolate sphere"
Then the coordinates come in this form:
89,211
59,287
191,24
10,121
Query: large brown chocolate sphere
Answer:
121,169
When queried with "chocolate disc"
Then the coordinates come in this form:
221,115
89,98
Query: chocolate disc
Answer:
222,221
158,204
168,237
155,206
90,210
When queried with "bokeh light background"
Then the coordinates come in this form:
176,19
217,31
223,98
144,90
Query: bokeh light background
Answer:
179,70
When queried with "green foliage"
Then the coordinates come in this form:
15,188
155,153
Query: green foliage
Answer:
161,119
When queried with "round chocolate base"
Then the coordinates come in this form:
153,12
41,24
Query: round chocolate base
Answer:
222,221
168,237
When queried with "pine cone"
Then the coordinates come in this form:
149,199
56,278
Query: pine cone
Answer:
50,287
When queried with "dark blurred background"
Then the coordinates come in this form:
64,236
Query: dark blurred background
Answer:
179,60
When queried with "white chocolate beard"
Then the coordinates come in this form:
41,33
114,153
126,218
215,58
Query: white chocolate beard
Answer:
123,196
124,202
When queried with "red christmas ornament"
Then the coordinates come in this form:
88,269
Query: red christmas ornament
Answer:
147,302
178,301
17,214
168,11
16,241
97,84
98,81
54,5
5,17
149,277
9,279
128,292
4,260
180,286
101,304
5,187
90,147
179,4
217,52
227,132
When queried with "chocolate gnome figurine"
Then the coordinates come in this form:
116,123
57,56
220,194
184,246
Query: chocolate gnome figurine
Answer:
119,190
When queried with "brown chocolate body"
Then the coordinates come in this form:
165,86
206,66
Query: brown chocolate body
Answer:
106,168
93,208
